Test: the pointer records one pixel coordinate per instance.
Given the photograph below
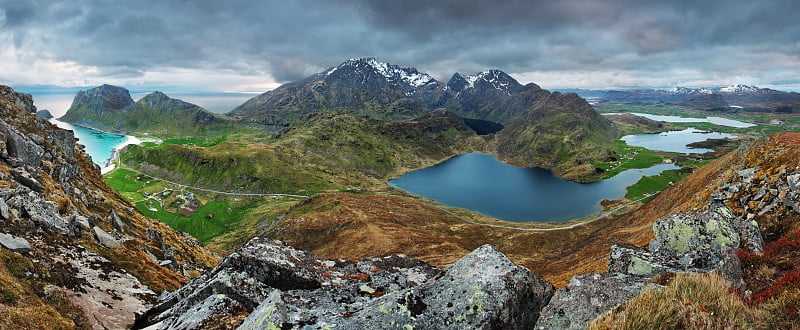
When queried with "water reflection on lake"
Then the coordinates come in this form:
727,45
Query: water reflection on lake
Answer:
481,183
674,141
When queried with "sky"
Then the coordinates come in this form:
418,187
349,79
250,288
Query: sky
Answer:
256,45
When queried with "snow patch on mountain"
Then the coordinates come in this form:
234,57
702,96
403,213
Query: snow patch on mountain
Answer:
739,89
409,76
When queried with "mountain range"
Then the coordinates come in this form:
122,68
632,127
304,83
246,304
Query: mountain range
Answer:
724,99
556,131
111,108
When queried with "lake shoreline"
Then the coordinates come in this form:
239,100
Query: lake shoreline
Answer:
510,202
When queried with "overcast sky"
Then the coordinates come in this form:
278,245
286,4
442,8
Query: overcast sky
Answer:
241,45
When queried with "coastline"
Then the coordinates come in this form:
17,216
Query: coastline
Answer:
110,164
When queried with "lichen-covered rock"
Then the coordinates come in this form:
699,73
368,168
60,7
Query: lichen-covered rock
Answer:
285,287
685,242
483,290
702,241
633,260
588,296
105,239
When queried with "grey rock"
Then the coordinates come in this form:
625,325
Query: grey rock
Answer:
3,209
483,290
587,297
22,176
80,223
16,244
117,222
633,260
747,174
105,239
22,147
285,287
695,240
44,113
793,181
45,215
65,140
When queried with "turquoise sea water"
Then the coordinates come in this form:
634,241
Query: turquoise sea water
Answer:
100,146
481,183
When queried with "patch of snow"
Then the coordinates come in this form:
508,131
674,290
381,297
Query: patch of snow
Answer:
397,74
331,71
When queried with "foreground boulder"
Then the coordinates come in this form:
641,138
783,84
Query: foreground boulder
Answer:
266,285
697,242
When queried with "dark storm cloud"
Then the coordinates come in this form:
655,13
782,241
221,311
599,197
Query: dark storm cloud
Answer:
288,40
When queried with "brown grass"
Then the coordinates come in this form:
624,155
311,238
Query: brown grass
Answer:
690,302
357,226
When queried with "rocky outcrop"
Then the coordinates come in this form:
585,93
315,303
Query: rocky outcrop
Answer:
285,287
44,113
54,209
588,296
697,242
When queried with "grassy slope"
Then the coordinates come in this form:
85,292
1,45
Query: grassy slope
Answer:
560,132
327,153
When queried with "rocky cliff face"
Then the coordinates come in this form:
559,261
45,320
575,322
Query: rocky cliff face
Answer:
98,107
111,108
74,253
266,285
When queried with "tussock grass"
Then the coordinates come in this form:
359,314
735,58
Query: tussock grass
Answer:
689,302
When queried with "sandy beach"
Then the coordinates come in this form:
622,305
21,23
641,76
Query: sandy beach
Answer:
111,164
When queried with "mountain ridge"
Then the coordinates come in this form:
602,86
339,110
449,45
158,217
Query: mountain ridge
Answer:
111,108
367,87
75,253
730,98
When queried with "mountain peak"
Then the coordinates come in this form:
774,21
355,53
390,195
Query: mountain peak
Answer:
492,78
402,76
738,88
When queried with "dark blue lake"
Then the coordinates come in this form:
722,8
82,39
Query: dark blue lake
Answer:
481,183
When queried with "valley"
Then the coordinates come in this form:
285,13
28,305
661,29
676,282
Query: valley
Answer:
326,183
241,177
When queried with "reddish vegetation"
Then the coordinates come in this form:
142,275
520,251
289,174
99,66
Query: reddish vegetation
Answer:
777,270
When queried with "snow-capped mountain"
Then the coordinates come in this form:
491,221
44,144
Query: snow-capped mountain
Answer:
361,67
494,79
688,91
728,98
739,89
371,88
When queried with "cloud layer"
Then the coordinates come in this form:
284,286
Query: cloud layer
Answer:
255,45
